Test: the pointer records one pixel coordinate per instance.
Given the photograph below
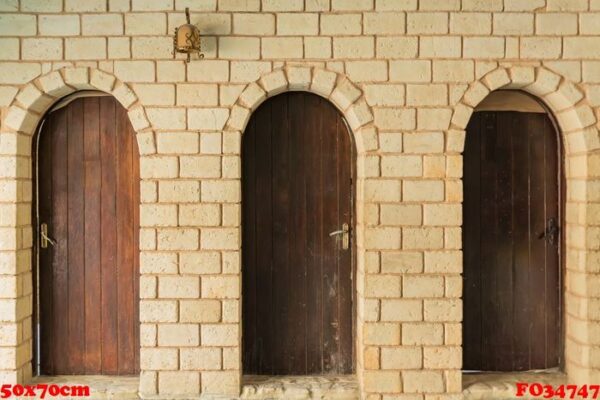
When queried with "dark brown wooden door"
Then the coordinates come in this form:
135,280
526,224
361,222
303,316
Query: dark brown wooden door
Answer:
511,243
88,195
297,279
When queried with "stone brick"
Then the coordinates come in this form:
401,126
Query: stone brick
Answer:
220,382
382,381
207,119
220,239
200,359
221,287
513,24
471,23
353,47
384,94
289,24
225,191
367,71
219,335
410,71
401,358
208,71
282,48
158,263
200,311
415,333
254,24
378,286
423,381
394,118
395,47
145,23
427,23
567,5
58,25
483,47
158,215
401,166
422,286
443,310
179,382
158,167
541,48
402,215
556,24
382,238
482,5
384,23
443,214
317,47
178,191
85,48
135,71
158,311
401,262
17,25
178,287
453,71
433,119
41,49
177,239
581,47
401,310
385,334
382,190
101,24
158,359
440,46
178,335
244,48
152,47
200,262
442,357
395,5
420,95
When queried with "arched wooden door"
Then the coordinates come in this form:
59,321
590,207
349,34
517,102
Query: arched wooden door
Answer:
88,201
297,260
511,242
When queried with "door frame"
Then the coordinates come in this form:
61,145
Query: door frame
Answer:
352,235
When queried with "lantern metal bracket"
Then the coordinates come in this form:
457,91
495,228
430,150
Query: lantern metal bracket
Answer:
187,38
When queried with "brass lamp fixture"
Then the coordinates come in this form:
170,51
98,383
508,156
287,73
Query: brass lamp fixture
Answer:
187,38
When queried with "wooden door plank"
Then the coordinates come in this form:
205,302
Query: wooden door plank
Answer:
472,334
537,266
522,283
552,188
314,233
488,238
505,123
76,226
345,272
108,127
92,248
297,272
125,245
330,193
250,321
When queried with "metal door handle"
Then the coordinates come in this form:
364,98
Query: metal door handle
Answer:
551,232
345,232
45,239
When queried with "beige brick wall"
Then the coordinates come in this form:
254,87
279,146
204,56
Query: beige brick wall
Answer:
406,74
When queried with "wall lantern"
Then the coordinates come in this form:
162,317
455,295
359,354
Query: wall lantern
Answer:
187,38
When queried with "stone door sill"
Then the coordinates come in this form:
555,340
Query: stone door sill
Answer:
101,386
338,387
503,386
